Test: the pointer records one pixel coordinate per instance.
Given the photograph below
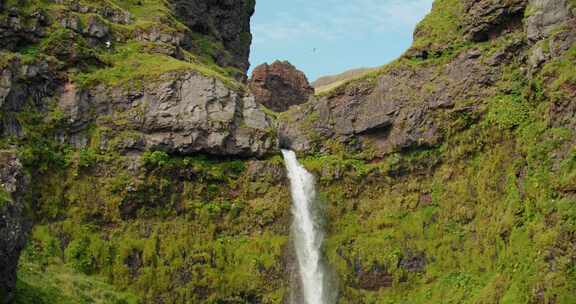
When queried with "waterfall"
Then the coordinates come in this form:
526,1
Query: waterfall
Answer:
307,233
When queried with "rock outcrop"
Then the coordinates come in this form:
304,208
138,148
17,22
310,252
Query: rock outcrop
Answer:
24,85
487,19
227,22
279,86
393,113
402,107
14,224
18,29
181,113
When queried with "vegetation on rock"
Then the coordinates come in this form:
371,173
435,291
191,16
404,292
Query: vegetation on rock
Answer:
448,176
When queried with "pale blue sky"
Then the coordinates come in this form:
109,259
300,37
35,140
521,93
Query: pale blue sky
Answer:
345,33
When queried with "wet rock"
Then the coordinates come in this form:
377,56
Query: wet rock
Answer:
280,85
181,113
14,224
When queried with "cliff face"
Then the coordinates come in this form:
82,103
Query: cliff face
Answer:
402,105
279,86
447,176
131,115
449,173
14,222
102,63
226,22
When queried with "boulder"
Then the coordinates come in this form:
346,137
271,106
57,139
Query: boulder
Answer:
14,224
279,86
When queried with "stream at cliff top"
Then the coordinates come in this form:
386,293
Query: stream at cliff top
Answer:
307,234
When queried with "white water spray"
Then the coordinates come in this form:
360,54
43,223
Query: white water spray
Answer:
308,234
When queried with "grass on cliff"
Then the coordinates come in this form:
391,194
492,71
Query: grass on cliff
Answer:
57,283
128,62
490,213
131,65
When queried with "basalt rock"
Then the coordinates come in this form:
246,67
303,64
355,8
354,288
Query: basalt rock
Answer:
14,224
225,21
279,86
181,113
24,85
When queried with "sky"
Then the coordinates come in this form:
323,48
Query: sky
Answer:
324,37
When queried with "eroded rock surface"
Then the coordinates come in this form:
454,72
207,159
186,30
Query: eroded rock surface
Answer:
181,113
392,114
226,21
487,19
280,85
14,225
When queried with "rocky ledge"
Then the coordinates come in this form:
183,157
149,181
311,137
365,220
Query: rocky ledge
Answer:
182,113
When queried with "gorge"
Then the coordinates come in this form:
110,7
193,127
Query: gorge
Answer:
140,164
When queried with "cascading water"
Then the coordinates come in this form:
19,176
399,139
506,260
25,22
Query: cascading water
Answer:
307,233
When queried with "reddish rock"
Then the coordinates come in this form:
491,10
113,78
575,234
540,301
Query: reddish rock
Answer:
280,85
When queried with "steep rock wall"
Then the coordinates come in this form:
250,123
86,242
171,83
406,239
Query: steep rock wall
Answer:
14,221
226,21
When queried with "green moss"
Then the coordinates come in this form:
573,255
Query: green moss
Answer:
130,66
5,198
441,28
59,284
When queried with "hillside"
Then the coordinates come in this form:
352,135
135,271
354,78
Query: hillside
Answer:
137,167
326,83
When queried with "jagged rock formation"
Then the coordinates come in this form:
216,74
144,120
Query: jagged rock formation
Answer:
227,22
14,222
179,113
279,86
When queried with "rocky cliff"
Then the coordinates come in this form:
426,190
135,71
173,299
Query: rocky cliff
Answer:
14,221
447,176
457,160
279,86
226,22
402,106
